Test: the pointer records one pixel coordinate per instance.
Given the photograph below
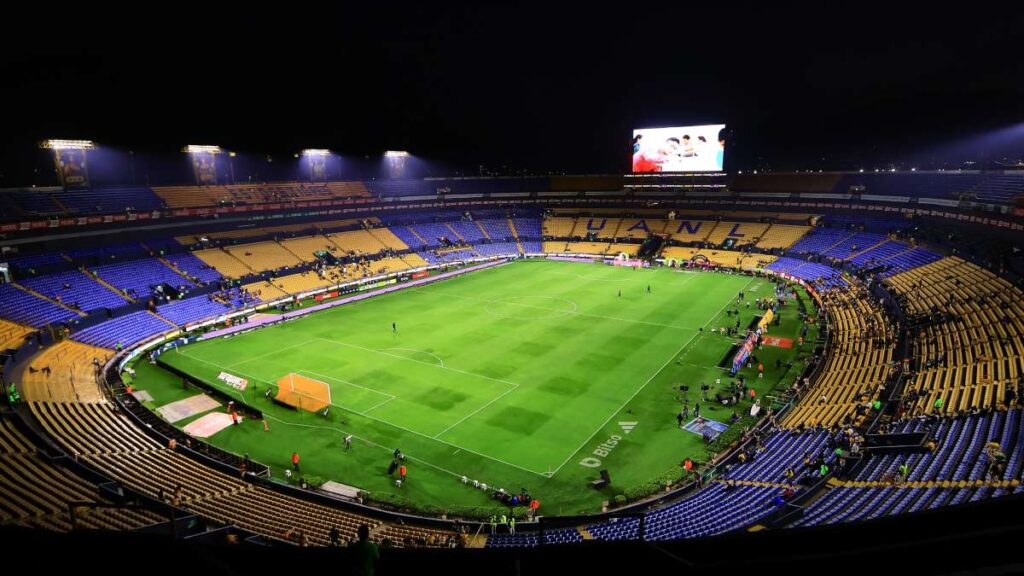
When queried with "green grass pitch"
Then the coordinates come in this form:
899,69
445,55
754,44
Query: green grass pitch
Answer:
511,376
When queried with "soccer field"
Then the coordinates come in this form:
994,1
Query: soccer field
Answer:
513,376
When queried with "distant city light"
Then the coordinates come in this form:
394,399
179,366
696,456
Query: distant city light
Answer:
69,144
202,149
396,154
316,152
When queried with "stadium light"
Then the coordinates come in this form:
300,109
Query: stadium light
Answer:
316,152
396,154
68,144
202,149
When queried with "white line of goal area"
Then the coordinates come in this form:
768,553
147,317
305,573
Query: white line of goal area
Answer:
644,385
381,420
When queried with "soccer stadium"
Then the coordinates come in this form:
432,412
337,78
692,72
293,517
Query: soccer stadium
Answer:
208,353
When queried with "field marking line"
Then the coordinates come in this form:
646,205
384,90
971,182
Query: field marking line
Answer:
438,358
277,351
375,406
464,372
638,390
474,412
343,381
241,396
512,385
567,313
365,440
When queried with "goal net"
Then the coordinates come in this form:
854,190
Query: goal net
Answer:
303,392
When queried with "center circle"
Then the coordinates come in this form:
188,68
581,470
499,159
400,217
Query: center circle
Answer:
530,307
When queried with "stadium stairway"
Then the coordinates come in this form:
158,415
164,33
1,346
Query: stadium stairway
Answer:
171,266
50,300
515,234
455,233
417,235
482,229
97,278
868,249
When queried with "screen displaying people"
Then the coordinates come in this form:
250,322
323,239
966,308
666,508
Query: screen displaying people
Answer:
680,149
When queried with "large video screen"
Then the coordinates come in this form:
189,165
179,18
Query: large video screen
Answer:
681,149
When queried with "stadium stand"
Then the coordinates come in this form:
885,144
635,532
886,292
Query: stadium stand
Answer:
124,330
19,306
967,327
37,493
64,371
76,289
857,366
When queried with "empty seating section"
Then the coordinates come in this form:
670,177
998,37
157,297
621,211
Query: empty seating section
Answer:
125,330
182,312
24,308
76,289
433,232
107,201
557,227
195,196
497,229
31,261
305,247
192,267
467,231
910,259
748,488
263,256
951,474
585,247
879,254
108,442
741,233
223,262
356,242
497,249
820,239
859,242
98,256
1001,188
857,365
599,227
12,335
528,228
264,290
37,493
388,239
408,237
821,276
967,328
138,277
64,371
781,236
640,228
302,282
686,231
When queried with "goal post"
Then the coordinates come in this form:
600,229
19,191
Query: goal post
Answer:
303,392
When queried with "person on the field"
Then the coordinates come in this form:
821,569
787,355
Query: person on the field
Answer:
295,461
401,473
680,418
348,442
394,328
648,288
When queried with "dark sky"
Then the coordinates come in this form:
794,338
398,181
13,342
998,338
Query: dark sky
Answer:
825,85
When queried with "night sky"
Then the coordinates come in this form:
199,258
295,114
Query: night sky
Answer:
832,85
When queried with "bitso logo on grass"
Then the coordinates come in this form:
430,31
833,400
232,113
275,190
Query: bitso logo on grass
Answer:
606,447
